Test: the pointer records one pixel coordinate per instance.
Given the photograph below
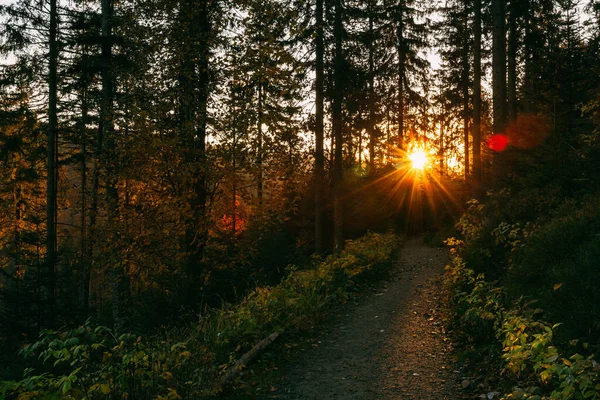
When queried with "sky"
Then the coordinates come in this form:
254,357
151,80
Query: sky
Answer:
4,59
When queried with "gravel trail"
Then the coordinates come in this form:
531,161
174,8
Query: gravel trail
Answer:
391,345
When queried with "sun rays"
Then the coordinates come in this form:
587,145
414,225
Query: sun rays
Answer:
416,186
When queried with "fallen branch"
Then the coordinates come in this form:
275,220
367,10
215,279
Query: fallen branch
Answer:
248,357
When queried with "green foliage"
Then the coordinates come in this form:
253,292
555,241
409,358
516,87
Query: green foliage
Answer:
90,362
304,295
544,255
475,303
529,350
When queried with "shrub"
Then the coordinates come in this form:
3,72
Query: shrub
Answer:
90,362
513,254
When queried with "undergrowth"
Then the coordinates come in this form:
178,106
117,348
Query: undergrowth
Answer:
90,362
523,293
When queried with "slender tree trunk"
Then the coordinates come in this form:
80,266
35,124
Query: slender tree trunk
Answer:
442,149
360,151
15,271
372,137
527,84
194,95
512,61
499,80
109,162
107,109
401,49
338,235
200,191
52,174
260,143
187,119
319,156
477,178
465,90
234,183
387,131
93,211
84,227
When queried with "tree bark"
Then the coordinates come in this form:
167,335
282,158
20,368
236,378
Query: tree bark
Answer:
512,61
477,176
528,102
499,80
372,137
248,357
52,173
319,156
442,151
338,236
83,166
194,78
106,126
401,49
465,90
260,142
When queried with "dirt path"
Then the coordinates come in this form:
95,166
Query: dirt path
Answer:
389,346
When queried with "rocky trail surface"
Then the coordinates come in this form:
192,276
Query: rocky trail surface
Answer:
390,345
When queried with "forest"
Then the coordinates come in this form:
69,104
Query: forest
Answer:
181,179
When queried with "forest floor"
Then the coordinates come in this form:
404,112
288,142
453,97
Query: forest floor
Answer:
391,344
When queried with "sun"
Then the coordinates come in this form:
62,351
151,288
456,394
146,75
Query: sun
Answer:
418,159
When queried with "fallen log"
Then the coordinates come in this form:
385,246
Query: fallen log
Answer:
248,357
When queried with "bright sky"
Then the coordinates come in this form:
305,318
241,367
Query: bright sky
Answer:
4,59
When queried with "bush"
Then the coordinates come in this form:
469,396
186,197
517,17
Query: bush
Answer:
514,254
90,362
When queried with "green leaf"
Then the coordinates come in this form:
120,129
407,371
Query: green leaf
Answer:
104,388
66,386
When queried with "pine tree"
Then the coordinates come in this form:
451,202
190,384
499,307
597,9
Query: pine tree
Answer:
52,167
319,174
477,173
499,80
412,68
338,173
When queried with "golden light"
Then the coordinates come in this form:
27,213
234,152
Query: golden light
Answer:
416,186
418,158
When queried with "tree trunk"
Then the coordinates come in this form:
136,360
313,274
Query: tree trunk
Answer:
387,130
512,61
499,80
243,361
319,156
371,92
401,49
442,151
359,150
465,90
528,101
259,151
83,166
233,174
109,162
477,178
194,94
52,174
338,236
200,191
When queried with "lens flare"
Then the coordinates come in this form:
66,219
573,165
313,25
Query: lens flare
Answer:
497,143
418,159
